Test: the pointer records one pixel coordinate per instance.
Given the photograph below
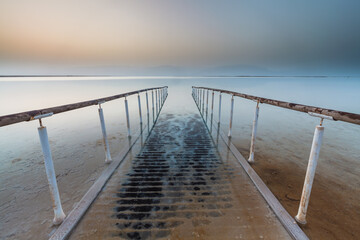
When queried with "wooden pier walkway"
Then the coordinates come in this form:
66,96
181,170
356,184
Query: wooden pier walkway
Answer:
179,186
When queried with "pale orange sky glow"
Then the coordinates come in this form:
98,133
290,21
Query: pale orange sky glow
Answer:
178,32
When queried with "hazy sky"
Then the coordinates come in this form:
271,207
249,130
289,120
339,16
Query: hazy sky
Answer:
128,32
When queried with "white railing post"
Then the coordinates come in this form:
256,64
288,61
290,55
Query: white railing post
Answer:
127,117
212,111
160,99
159,102
310,174
147,108
219,108
231,115
200,92
140,115
163,96
103,130
203,101
156,100
207,104
153,108
199,98
51,176
253,135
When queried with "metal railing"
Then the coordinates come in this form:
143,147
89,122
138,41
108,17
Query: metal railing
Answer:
160,93
198,94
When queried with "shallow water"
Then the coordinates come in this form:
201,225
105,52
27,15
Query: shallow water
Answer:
284,136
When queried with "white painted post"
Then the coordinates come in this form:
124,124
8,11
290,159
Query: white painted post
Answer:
156,98
197,96
105,140
160,97
147,108
140,115
152,101
231,115
212,111
310,174
212,106
127,117
163,95
51,176
253,136
207,104
200,100
219,109
203,101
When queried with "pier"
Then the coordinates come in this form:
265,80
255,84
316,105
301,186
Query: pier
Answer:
179,176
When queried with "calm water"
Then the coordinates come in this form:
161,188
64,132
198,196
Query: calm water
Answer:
75,136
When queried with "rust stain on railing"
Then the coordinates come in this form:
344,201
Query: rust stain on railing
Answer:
336,115
29,115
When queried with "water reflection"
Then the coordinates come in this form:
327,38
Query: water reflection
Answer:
76,140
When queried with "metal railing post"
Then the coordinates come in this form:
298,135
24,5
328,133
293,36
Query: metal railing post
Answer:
140,115
159,93
197,97
147,108
310,174
103,130
156,101
207,104
212,110
159,99
253,135
51,176
231,115
153,108
127,117
203,102
219,108
200,100
163,96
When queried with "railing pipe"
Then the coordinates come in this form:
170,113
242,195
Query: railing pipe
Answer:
105,140
51,176
253,135
30,115
310,174
127,117
336,115
231,115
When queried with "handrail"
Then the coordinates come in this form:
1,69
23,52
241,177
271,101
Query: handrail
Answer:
59,215
336,115
198,94
29,115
